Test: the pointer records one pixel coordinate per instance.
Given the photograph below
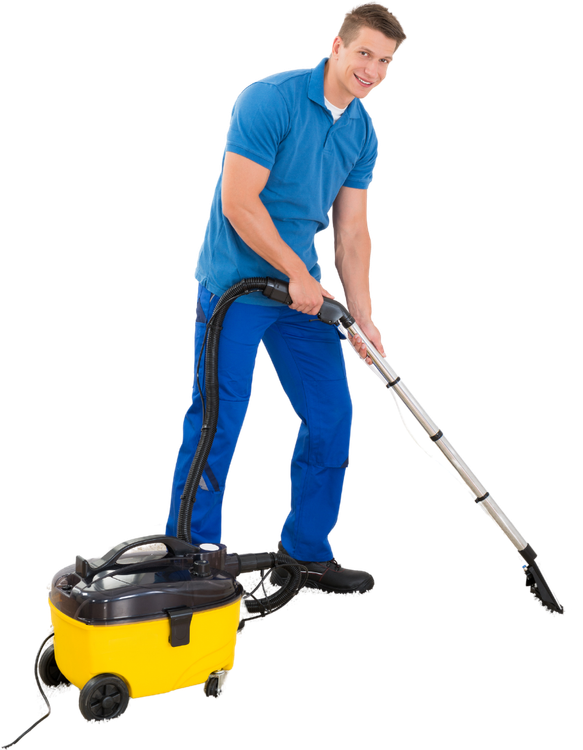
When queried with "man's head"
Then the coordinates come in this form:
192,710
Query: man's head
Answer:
361,53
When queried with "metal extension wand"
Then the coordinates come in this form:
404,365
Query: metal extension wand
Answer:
333,313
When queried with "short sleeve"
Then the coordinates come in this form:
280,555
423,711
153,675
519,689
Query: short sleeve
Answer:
259,122
361,174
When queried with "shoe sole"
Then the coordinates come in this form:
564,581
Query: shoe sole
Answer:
279,580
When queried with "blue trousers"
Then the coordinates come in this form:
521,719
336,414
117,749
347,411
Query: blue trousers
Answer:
308,358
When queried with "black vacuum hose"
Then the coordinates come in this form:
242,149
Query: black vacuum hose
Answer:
331,312
291,571
272,288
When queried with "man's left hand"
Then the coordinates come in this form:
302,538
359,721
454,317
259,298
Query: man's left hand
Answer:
372,333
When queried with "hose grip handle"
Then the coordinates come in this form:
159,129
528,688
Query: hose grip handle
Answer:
331,312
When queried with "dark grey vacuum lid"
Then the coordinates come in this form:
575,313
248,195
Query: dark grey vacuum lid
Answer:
142,586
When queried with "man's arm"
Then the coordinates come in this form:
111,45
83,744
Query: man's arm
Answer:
352,257
243,181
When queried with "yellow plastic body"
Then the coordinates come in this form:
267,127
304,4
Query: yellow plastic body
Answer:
140,652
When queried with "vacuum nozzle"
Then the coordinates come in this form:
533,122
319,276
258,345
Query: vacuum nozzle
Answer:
540,588
536,582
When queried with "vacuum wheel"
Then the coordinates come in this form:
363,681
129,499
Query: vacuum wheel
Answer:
213,687
104,697
48,670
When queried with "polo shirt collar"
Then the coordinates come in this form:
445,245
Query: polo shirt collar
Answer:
316,91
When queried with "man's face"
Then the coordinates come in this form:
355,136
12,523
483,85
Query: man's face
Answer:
363,64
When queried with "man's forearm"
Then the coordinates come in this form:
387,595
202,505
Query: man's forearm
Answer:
252,222
352,258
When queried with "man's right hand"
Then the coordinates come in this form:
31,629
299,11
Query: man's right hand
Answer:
307,294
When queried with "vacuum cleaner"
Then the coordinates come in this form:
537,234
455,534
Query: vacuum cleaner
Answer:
180,603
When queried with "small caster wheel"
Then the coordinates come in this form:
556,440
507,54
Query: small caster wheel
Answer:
104,697
213,687
48,670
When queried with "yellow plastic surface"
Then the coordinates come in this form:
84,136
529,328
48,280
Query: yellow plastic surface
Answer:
140,652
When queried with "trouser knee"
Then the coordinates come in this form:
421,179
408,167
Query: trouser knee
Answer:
329,422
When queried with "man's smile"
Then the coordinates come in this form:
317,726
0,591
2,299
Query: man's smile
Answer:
362,81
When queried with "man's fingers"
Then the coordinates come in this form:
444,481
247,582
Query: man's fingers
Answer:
362,350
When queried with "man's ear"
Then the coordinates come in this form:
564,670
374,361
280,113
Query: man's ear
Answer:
336,45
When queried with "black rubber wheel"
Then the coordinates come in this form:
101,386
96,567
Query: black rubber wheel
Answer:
104,697
211,687
48,670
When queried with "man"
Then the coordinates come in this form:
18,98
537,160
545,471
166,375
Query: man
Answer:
299,144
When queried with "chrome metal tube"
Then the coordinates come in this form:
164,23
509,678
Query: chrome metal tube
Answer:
389,376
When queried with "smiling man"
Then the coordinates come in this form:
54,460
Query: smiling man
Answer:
299,144
356,66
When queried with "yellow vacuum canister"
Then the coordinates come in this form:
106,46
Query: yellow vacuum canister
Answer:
142,622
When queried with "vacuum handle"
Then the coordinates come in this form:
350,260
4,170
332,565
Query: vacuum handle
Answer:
177,547
278,290
331,312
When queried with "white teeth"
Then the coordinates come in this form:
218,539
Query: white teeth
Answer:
366,83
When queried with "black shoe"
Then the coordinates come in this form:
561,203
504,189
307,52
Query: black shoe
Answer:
328,576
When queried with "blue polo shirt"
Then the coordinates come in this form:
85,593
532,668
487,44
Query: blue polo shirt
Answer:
283,124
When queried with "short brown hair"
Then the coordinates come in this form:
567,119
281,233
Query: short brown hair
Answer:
373,16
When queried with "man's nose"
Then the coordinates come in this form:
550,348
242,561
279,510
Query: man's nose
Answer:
371,69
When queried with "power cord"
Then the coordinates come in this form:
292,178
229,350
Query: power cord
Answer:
266,606
257,608
41,692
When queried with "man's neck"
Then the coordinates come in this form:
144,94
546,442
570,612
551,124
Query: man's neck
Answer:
330,91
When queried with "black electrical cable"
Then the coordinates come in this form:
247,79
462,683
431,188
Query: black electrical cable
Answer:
41,692
295,580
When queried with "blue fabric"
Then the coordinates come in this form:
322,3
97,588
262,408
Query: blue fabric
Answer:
283,124
308,358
